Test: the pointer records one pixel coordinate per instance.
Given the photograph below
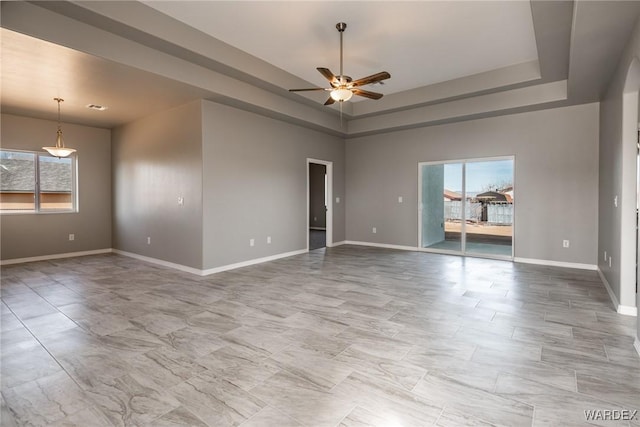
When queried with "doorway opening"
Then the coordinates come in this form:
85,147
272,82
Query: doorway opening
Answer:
319,212
467,207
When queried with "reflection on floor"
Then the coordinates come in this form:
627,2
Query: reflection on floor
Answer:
317,239
481,244
338,337
475,248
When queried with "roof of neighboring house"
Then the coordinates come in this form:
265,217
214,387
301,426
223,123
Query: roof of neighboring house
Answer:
493,196
17,175
452,195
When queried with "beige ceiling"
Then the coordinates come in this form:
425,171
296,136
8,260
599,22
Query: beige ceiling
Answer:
449,61
35,71
419,43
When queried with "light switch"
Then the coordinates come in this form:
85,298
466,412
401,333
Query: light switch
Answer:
400,199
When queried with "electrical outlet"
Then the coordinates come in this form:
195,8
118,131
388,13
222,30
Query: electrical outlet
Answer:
252,242
148,240
337,199
400,199
565,243
180,201
615,202
609,261
268,240
605,256
374,230
72,237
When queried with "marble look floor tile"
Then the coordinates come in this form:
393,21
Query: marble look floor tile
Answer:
389,401
158,323
552,404
46,400
270,417
310,339
319,324
213,322
373,343
475,402
361,417
239,365
26,366
216,401
399,373
453,418
424,339
194,342
6,416
302,400
179,417
49,324
89,416
610,391
164,367
93,366
124,401
9,321
313,367
260,340
317,300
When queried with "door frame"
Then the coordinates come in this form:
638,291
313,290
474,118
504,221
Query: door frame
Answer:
463,250
329,196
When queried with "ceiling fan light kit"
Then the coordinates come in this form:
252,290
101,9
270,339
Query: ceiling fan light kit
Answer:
343,87
59,150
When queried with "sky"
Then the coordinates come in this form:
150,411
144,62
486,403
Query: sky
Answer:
480,175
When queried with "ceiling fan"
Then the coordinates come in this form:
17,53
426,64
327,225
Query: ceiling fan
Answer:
343,87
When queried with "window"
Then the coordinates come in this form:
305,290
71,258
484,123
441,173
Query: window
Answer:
36,182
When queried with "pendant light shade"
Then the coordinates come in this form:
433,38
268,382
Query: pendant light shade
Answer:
341,94
59,150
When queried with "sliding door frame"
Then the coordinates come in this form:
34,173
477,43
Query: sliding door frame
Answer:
463,213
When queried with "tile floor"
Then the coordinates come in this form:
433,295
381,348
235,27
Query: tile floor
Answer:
347,336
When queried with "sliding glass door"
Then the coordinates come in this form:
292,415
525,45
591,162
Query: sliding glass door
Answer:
467,207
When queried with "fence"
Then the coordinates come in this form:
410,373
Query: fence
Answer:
453,210
495,213
500,213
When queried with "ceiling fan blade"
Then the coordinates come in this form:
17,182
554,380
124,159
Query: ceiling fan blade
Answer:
329,101
308,89
366,94
383,75
328,74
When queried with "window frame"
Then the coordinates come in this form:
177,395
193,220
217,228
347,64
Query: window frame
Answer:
36,179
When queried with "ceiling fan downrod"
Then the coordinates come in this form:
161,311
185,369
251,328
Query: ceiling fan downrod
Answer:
341,26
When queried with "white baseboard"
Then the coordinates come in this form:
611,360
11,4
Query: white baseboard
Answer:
550,263
636,345
161,262
381,245
333,245
54,256
251,262
621,309
209,271
627,310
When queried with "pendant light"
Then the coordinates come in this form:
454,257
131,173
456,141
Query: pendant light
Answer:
59,150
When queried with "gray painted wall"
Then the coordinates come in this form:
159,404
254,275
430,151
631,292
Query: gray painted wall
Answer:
615,229
156,160
30,235
556,178
254,184
317,211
